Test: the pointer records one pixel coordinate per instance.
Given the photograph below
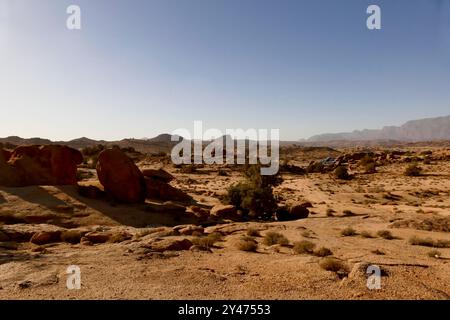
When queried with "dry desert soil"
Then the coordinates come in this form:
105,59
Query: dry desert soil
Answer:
143,253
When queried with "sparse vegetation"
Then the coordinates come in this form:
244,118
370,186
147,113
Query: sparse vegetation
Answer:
304,246
428,242
368,164
334,265
434,254
341,173
330,212
208,241
348,213
271,238
366,234
253,232
254,196
348,232
323,252
378,252
413,170
385,234
247,244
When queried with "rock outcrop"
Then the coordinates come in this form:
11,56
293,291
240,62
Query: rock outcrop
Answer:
40,165
120,177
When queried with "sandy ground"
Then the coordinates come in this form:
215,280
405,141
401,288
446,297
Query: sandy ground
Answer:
387,200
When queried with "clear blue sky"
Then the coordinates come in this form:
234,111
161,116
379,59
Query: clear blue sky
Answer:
143,67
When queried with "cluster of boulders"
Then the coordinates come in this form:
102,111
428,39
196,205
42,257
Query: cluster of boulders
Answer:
39,165
44,234
123,180
57,165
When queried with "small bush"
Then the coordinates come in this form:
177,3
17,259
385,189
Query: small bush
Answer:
366,234
253,232
247,244
304,246
428,242
323,252
208,241
334,265
442,243
203,242
385,234
434,254
272,238
413,170
215,236
348,213
341,173
348,232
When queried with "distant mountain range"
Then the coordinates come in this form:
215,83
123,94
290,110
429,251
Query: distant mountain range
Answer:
424,130
430,129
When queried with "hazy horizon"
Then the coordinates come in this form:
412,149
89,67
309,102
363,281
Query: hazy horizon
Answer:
142,68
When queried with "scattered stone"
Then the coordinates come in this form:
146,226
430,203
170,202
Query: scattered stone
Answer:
97,237
44,237
225,212
170,245
188,230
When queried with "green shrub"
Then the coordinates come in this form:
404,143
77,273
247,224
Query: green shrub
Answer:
254,196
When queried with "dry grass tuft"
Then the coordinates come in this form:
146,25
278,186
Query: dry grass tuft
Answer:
304,246
271,238
348,232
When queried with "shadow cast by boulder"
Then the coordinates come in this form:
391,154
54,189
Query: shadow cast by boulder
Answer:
34,194
135,215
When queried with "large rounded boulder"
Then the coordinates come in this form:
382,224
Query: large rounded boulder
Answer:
120,177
